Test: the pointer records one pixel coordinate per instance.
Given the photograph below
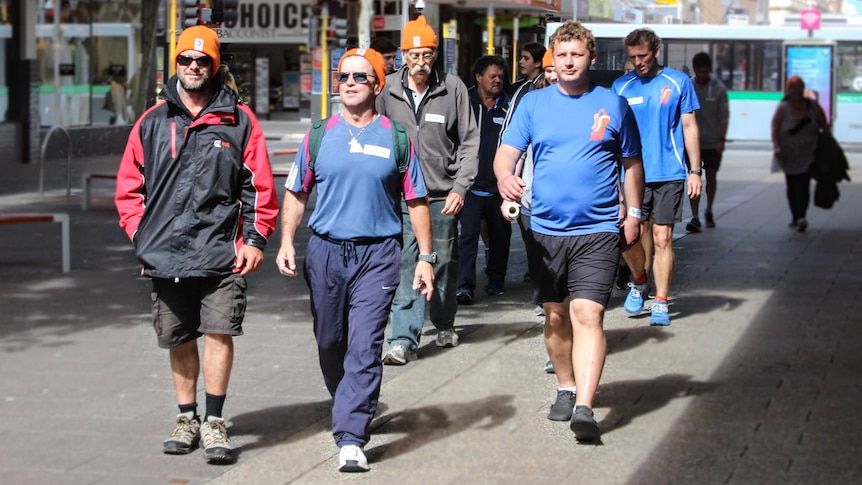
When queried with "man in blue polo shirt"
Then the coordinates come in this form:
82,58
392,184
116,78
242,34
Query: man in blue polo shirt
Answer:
663,101
575,212
353,260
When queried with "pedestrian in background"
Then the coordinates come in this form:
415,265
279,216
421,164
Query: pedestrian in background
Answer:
388,50
575,212
664,102
796,127
482,202
435,108
195,195
353,259
529,65
712,119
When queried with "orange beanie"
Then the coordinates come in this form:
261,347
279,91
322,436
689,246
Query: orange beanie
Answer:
548,58
202,39
373,57
417,33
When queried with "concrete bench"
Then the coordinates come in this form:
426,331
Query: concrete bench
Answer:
87,183
63,219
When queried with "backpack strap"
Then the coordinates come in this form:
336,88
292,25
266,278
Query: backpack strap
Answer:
315,136
401,144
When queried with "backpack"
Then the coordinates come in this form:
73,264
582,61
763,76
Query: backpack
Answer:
400,142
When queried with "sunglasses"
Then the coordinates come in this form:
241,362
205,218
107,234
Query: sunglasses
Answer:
358,77
203,61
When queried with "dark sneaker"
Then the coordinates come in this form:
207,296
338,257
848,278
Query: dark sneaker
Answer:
801,225
464,297
693,225
184,438
214,440
352,459
584,424
624,274
710,221
561,410
494,289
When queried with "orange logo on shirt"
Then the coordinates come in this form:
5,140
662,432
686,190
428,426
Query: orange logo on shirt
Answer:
600,123
665,95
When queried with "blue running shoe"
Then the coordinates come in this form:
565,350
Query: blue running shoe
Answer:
635,300
659,314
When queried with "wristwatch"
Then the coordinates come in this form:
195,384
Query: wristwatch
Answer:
428,258
696,172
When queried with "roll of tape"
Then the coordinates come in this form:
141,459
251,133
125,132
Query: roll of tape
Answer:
513,209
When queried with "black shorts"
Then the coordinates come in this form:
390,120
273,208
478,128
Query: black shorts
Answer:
710,158
191,307
663,201
577,267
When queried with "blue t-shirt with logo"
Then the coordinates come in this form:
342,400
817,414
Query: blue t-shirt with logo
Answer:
359,187
658,103
576,142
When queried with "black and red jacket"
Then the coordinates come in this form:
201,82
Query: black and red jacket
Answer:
191,190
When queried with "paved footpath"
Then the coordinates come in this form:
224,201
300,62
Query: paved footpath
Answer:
756,381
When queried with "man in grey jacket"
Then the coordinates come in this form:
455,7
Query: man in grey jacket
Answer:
435,109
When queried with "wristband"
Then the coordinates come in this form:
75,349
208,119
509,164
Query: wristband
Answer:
634,212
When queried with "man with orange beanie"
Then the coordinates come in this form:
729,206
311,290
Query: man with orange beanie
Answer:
355,249
435,109
196,197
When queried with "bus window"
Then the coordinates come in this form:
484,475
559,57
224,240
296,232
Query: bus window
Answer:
849,75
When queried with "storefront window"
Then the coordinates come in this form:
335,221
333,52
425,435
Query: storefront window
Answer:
5,34
86,57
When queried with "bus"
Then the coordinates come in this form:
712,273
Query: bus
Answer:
748,59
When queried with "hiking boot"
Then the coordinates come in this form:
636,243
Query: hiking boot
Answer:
214,440
185,436
447,338
693,225
399,355
561,410
584,424
710,221
352,459
634,303
464,297
659,315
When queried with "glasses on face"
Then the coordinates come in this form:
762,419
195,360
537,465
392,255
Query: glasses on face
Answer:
203,61
425,56
358,77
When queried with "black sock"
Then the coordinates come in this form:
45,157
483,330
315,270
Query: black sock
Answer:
214,406
190,408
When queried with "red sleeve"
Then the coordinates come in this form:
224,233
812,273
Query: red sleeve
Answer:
259,200
131,192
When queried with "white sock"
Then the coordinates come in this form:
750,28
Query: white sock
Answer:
573,389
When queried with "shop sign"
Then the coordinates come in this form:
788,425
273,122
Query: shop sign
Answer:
267,22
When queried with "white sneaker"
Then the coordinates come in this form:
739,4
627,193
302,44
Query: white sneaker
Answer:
399,355
351,458
447,338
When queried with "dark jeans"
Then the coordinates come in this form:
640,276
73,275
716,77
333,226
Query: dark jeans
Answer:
408,309
798,194
499,240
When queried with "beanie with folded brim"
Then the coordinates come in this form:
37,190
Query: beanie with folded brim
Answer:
202,39
373,57
418,34
548,58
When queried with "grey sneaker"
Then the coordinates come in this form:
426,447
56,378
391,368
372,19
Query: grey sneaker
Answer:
399,355
562,408
447,338
584,424
184,438
351,458
216,445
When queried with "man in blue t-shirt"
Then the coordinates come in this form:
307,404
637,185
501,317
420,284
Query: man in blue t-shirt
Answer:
575,212
663,101
353,259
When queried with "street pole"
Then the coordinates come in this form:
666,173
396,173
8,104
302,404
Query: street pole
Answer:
172,38
324,72
489,48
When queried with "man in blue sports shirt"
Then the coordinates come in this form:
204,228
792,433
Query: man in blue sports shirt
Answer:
575,212
663,101
353,260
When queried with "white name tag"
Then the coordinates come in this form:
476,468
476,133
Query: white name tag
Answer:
498,120
432,118
636,100
376,151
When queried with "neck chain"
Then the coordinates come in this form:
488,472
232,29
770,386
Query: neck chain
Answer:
354,137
